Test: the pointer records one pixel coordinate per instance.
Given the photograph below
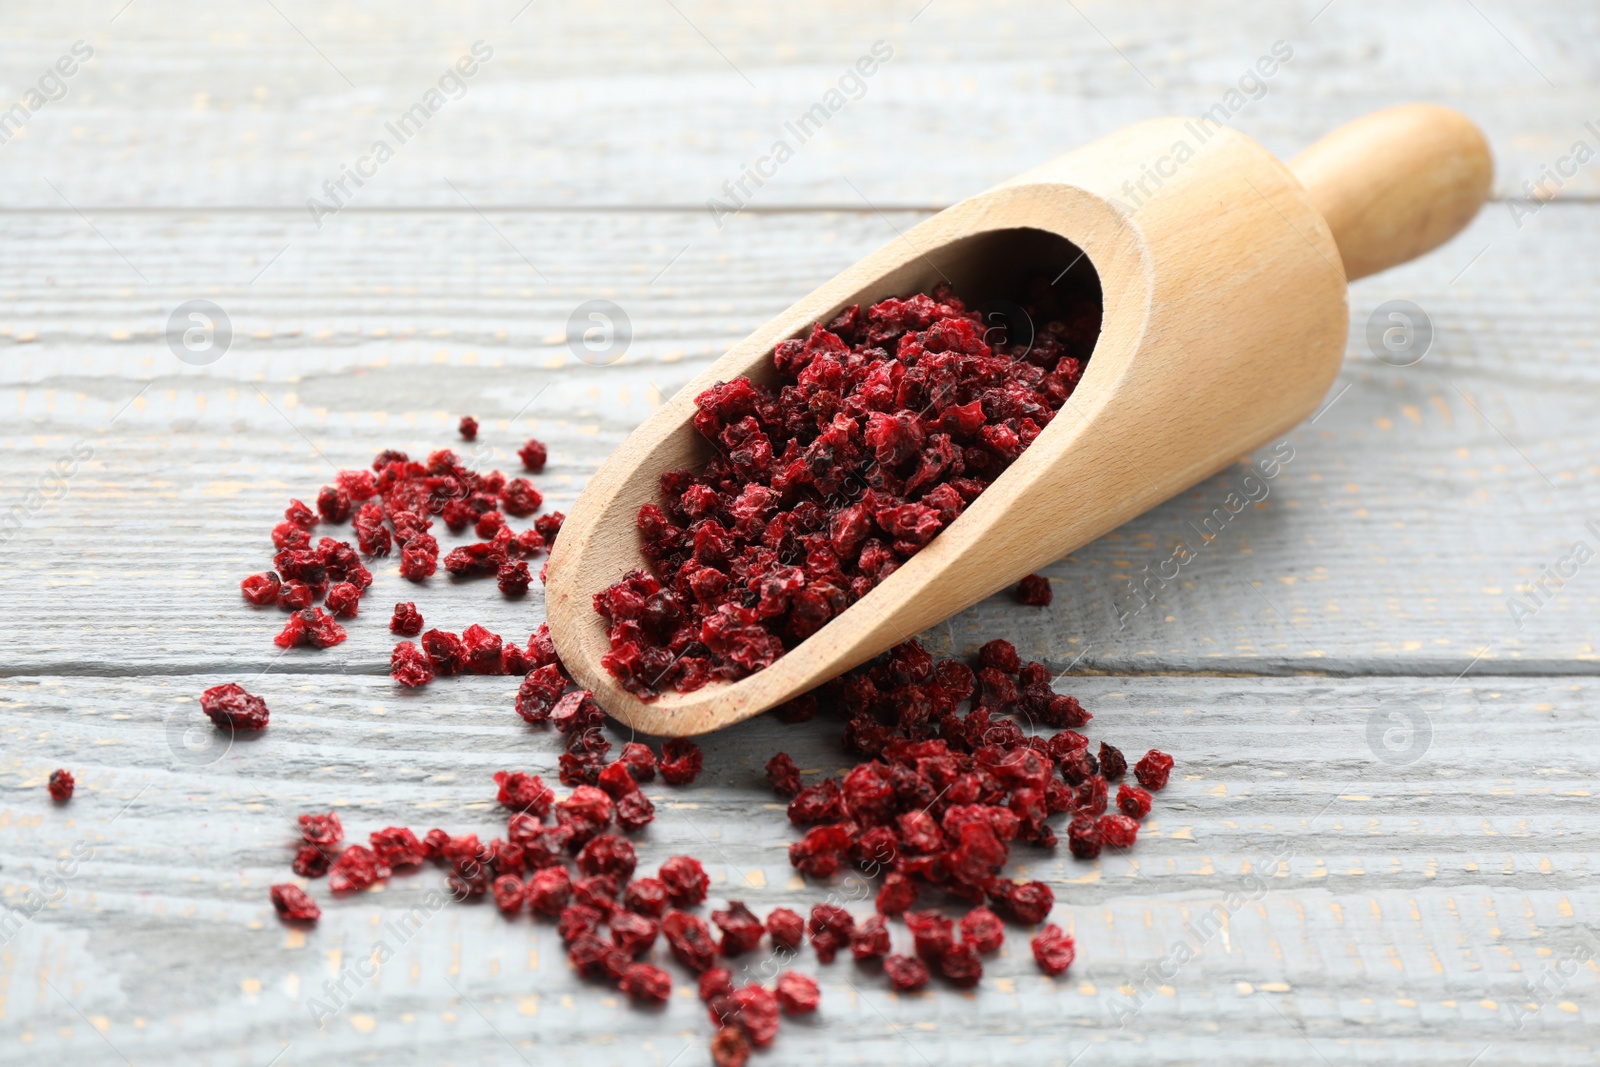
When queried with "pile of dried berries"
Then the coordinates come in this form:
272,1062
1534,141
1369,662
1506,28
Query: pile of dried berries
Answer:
942,794
879,430
393,505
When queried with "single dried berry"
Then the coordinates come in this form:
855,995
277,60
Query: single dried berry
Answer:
524,792
784,775
681,761
897,894
61,785
333,503
608,854
509,893
344,600
356,868
962,965
1053,950
409,665
261,589
797,993
647,896
830,928
983,929
686,881
906,974
690,940
633,933
1118,831
311,861
754,1009
549,891
533,455
1034,590
310,627
741,929
635,812
639,760
396,846
1133,801
932,934
468,878
230,706
407,620
1023,902
646,984
598,960
468,428
1001,656
730,1048
513,578
717,982
445,651
520,498
1113,764
576,712
1153,770
1083,837
293,905
324,831
870,940
539,692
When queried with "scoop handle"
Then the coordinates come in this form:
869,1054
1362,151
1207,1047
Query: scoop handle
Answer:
1397,183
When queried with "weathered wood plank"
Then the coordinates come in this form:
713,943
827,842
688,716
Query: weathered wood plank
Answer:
1399,902
648,103
1390,543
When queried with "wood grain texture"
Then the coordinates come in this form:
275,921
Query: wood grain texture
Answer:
1411,914
1395,907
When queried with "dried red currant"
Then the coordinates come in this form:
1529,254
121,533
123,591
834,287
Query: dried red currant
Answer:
1118,831
261,589
983,929
356,868
509,893
686,881
407,620
1133,801
717,982
870,939
549,891
311,861
533,455
293,905
230,706
323,830
681,760
906,974
830,928
1034,590
741,929
523,792
468,428
633,933
730,1048
1053,950
1153,770
410,666
646,984
397,846
797,994
1083,837
784,775
344,600
690,940
61,785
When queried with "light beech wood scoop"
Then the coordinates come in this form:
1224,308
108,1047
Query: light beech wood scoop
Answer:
1223,274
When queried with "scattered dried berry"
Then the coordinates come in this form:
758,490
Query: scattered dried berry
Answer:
983,929
293,905
230,706
717,982
261,589
686,881
870,940
1133,801
730,1048
681,760
690,940
356,868
784,775
468,428
407,620
1053,950
741,929
533,455
324,831
509,893
786,928
1153,769
797,993
409,665
61,785
396,846
1034,590
646,984
906,974
1118,831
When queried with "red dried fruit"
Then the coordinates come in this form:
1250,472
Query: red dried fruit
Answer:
897,894
533,455
797,994
730,1048
690,940
1001,656
870,940
932,934
1133,801
1034,590
717,982
230,706
293,905
520,498
344,600
323,830
261,589
576,712
61,785
906,974
445,651
468,428
513,578
741,930
356,868
647,896
409,665
608,854
468,878
1023,902
509,893
549,526
983,929
333,504
578,920
1153,770
295,595
681,761
1083,837
539,692
830,928
784,775
310,627
753,1009
635,812
524,792
786,928
817,803
962,965
397,846
646,984
549,891
596,959
639,760
1053,950
686,881
407,620
1118,831
310,861
633,933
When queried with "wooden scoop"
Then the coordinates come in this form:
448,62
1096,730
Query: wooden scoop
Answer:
1223,273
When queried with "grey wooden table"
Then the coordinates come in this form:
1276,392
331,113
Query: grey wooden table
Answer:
1378,845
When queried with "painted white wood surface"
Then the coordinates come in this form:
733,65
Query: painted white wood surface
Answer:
1422,899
